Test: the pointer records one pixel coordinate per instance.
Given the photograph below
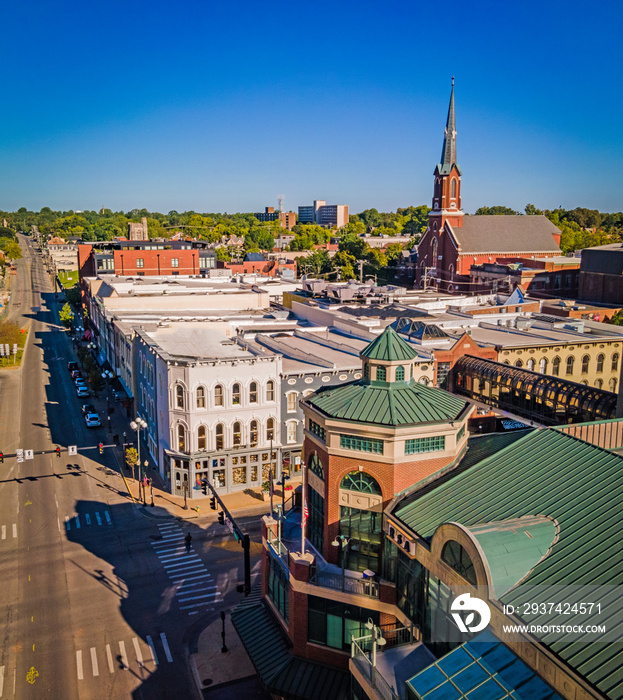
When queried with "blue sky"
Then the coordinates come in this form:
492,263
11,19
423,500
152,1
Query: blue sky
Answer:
222,106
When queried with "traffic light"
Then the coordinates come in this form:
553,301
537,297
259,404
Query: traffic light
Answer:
58,452
221,518
101,448
1,457
204,487
213,503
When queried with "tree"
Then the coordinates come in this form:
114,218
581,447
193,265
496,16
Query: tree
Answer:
497,210
131,457
346,264
531,210
11,249
6,232
354,246
317,263
393,253
95,380
66,315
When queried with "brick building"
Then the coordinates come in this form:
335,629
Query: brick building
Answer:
287,219
256,263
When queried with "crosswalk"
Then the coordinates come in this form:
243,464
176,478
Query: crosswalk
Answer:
148,654
8,532
195,587
87,519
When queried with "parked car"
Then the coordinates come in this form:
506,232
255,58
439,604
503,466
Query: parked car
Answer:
119,395
73,366
76,373
92,420
80,381
88,408
82,392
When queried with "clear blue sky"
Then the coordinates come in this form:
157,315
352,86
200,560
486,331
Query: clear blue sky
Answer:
222,106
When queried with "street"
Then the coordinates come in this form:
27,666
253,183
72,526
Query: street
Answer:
95,595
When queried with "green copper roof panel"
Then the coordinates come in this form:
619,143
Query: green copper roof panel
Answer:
389,346
555,475
391,405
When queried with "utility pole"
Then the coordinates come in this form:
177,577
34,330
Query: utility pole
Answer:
360,271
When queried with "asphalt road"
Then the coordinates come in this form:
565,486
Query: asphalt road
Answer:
96,597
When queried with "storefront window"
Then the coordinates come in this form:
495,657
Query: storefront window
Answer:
218,477
239,475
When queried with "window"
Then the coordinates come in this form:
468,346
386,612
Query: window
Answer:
556,366
218,395
140,262
333,624
235,394
363,529
292,397
570,361
315,522
202,439
585,361
381,374
237,433
278,587
291,434
366,371
253,392
270,429
175,262
315,465
201,397
530,365
458,559
453,188
253,433
270,390
613,384
350,442
181,438
543,365
461,432
317,430
615,362
400,373
519,363
179,396
427,444
220,437
360,481
599,383
600,362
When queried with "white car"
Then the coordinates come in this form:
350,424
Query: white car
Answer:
92,420
82,392
80,381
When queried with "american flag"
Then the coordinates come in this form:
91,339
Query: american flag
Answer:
305,511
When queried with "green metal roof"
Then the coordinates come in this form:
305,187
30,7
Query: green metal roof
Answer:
391,404
578,485
389,346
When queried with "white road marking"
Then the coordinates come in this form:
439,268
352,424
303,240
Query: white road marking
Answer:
165,644
14,530
4,538
124,656
77,518
58,522
1,679
186,579
186,599
107,514
96,670
79,664
97,517
111,666
154,656
190,560
88,517
137,649
175,557
67,523
192,607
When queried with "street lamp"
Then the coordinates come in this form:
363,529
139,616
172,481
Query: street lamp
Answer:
342,542
377,640
107,375
137,425
282,483
144,477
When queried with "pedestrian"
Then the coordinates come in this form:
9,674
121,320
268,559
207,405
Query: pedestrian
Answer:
188,539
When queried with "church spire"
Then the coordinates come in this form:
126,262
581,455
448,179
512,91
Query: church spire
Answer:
448,152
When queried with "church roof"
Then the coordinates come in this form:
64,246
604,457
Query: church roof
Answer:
506,234
389,346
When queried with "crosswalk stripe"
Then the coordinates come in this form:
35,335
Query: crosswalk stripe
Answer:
77,518
165,644
183,573
1,678
194,607
4,538
124,656
186,599
175,569
154,656
79,664
14,530
96,670
175,557
107,516
88,518
168,527
137,649
186,579
97,517
111,666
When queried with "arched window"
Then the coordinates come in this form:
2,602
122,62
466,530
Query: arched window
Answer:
599,384
570,361
181,438
360,481
270,429
458,559
270,390
556,366
315,466
453,188
400,373
584,382
543,365
202,440
253,392
585,361
615,362
237,433
235,394
179,396
218,395
600,362
519,363
613,384
381,374
434,250
219,433
253,433
201,397
530,365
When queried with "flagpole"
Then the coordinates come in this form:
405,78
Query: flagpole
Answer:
270,478
304,509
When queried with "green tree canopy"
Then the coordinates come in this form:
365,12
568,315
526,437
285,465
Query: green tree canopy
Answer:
498,210
11,249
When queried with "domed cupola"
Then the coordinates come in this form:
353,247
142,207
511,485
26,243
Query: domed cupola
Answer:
388,359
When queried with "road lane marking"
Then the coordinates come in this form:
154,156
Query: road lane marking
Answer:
175,557
154,656
79,663
187,599
187,566
165,644
124,656
137,649
99,520
193,607
96,670
186,579
14,530
88,518
1,679
111,666
107,515
4,538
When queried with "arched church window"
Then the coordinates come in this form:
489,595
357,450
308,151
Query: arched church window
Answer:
453,188
458,559
360,481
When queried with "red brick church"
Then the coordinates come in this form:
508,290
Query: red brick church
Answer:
453,242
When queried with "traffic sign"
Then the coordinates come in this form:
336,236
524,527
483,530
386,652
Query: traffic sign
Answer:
15,348
229,525
72,450
28,454
20,455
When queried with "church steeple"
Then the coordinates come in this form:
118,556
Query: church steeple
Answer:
448,152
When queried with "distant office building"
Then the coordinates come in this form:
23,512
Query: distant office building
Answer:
286,218
323,214
138,232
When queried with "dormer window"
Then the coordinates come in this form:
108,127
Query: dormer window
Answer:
400,373
381,374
